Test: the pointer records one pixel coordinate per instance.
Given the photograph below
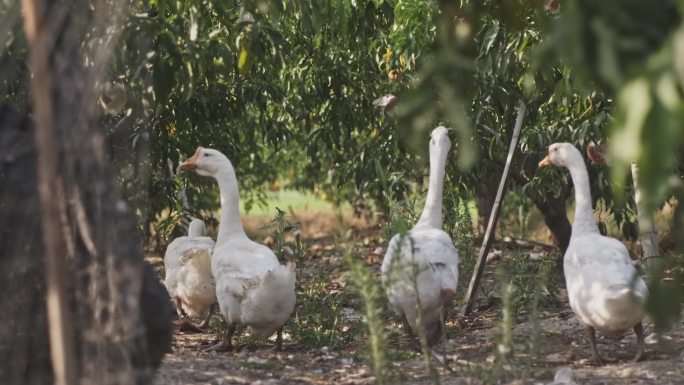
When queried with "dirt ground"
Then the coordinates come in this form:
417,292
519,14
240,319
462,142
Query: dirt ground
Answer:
467,357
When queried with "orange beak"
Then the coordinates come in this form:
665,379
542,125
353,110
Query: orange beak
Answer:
545,162
191,163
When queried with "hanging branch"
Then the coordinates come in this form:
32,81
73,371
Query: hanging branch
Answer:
37,25
494,216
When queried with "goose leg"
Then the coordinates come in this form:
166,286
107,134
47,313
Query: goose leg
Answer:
596,357
179,307
184,325
639,331
226,344
205,322
279,340
412,338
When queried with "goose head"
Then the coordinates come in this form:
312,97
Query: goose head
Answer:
196,228
561,155
439,139
206,162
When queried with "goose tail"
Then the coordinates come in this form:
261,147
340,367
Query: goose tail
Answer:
270,304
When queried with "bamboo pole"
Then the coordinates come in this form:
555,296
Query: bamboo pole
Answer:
494,216
40,41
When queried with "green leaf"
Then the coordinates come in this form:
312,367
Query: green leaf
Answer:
244,61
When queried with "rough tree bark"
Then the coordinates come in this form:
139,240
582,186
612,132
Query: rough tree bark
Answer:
38,36
120,313
553,209
484,199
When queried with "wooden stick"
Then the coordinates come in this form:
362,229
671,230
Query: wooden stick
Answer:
494,216
647,231
40,41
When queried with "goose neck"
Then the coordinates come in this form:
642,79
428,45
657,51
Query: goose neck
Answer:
230,225
432,212
584,214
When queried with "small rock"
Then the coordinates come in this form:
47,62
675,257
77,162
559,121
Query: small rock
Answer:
564,376
271,381
652,339
494,256
256,360
349,315
536,256
650,375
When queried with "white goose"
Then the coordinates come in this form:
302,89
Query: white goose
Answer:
425,257
604,288
187,263
252,287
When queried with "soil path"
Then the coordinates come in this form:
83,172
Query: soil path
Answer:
470,349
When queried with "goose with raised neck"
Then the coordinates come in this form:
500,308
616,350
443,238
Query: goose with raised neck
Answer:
584,221
231,224
252,287
421,266
432,211
604,288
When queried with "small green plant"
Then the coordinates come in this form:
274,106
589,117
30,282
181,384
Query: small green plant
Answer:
525,287
367,287
460,228
504,345
665,281
531,280
422,336
319,319
280,227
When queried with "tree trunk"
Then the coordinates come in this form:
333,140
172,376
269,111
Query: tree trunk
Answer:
119,312
556,218
484,199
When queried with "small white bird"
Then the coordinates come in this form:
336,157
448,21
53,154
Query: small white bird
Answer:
420,268
252,287
189,281
604,288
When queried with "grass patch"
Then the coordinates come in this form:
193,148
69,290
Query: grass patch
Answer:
288,200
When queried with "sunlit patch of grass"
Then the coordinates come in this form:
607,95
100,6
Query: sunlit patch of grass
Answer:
289,200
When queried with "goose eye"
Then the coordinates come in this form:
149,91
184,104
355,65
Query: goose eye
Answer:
207,154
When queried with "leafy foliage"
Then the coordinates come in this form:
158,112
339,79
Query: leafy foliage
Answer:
632,49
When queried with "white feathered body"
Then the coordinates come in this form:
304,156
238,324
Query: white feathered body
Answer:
424,259
187,262
253,288
604,288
